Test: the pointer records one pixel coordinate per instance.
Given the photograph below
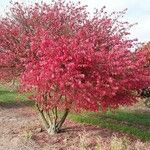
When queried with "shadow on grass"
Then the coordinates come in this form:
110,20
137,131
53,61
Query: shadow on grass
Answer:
18,104
137,125
6,92
14,99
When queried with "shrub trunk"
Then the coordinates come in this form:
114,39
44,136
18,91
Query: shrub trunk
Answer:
50,119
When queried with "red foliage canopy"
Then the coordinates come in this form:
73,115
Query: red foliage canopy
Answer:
73,60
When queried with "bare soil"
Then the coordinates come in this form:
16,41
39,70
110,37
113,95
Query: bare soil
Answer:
20,129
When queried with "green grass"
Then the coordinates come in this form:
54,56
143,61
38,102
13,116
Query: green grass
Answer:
135,124
11,97
130,122
131,117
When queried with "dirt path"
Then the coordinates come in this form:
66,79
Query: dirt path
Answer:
20,129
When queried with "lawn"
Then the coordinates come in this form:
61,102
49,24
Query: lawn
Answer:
134,123
10,97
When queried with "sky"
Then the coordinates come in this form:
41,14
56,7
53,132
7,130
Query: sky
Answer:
138,12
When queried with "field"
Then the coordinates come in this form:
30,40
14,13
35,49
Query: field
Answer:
122,129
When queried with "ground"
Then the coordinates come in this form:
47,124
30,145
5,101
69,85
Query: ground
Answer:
20,129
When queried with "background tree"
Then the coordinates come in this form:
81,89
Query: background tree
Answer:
72,61
145,92
147,48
